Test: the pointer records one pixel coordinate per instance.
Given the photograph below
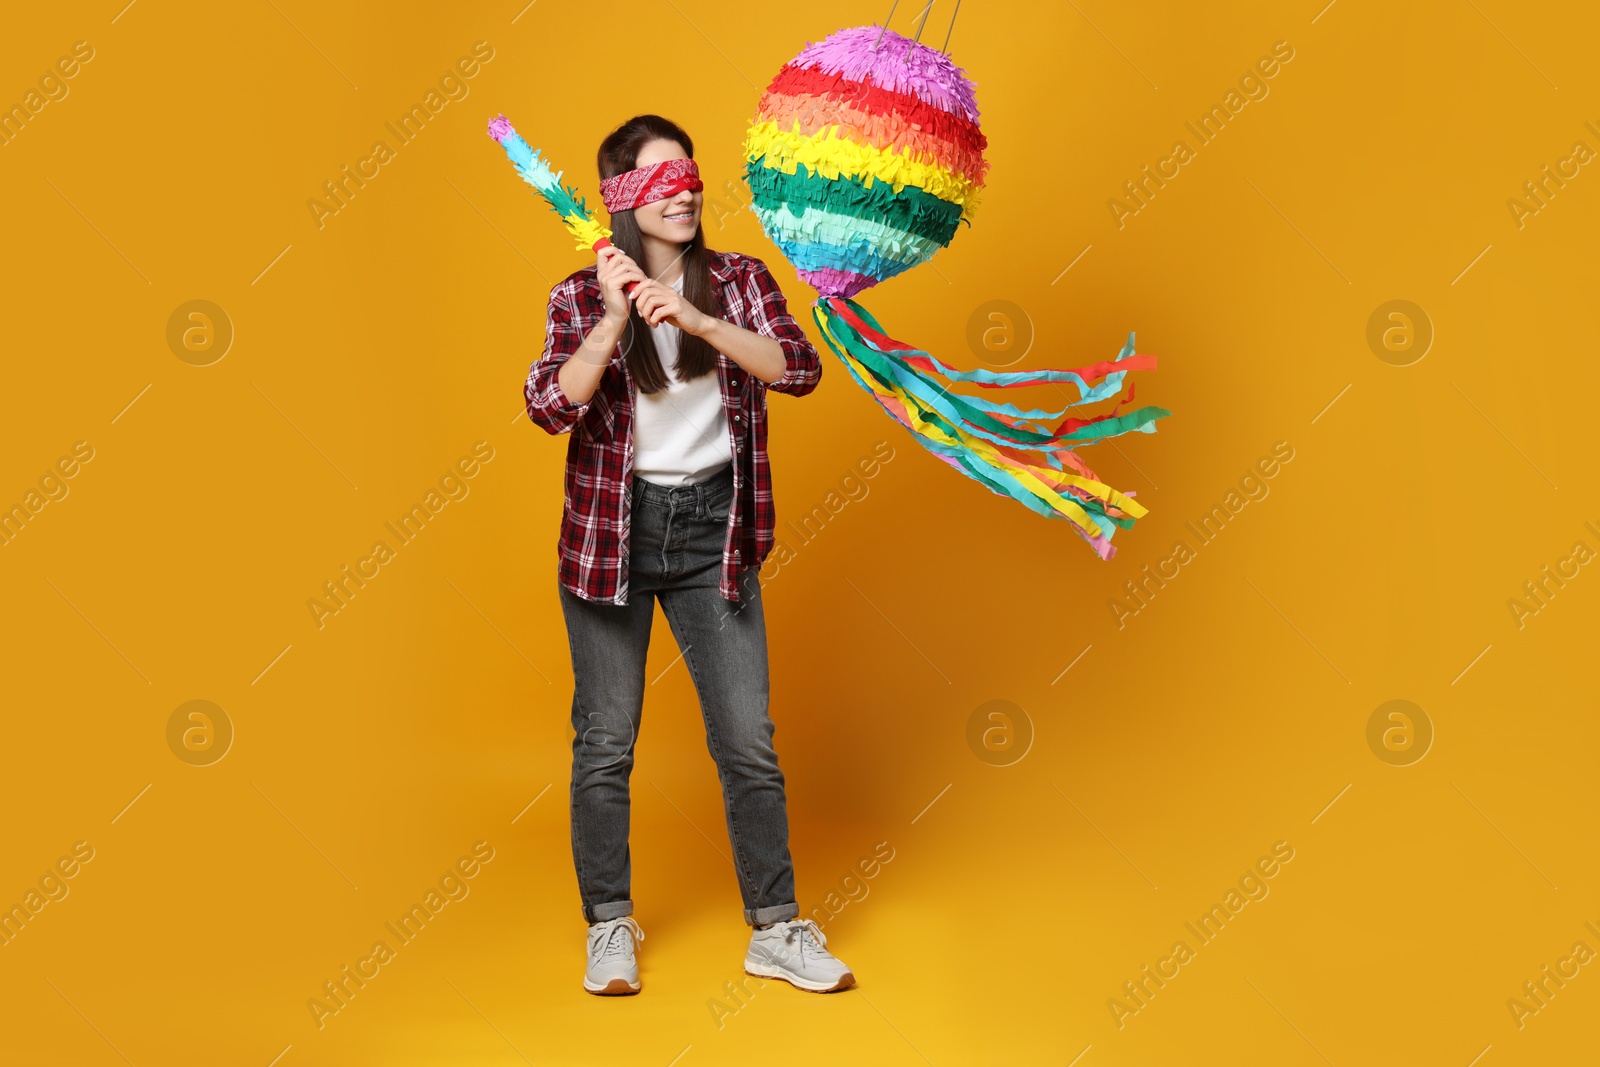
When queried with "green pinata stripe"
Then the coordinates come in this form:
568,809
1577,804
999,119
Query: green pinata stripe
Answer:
912,209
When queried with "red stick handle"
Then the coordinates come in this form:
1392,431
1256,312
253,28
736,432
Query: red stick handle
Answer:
605,242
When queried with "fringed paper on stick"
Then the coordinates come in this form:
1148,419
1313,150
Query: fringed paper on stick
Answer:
563,200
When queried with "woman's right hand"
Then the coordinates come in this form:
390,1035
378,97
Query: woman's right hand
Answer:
615,270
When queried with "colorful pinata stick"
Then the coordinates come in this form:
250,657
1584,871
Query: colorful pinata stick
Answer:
565,201
862,163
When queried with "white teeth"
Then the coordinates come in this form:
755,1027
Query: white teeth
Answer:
684,216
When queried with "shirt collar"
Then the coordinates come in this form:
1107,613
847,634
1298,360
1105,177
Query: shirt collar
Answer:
723,267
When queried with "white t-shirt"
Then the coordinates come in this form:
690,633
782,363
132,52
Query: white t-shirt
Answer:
680,435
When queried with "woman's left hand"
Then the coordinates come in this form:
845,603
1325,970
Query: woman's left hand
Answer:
658,303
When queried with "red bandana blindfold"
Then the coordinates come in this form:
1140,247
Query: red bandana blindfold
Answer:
635,188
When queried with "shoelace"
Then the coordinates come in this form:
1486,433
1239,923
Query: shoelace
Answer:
604,942
800,933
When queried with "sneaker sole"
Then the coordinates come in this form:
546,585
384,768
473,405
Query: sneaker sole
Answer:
617,987
846,980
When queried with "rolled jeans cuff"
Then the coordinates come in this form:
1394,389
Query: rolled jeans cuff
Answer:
778,913
600,913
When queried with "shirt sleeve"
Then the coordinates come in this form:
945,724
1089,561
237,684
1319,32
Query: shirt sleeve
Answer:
547,404
769,312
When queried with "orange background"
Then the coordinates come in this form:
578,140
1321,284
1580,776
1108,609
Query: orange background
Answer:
1230,713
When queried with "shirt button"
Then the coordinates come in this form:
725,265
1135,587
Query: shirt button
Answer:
738,418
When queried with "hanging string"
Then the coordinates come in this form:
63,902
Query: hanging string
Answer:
925,12
885,24
953,14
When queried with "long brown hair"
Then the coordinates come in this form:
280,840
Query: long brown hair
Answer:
619,152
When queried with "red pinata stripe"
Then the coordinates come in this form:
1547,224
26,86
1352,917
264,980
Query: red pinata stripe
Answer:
888,131
794,81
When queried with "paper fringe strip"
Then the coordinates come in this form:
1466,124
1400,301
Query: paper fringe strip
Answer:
998,445
563,200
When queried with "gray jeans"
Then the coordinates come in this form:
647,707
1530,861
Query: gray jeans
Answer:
676,555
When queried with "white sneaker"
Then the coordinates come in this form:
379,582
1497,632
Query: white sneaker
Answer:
613,970
794,952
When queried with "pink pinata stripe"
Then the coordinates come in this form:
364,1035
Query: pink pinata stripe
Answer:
900,65
833,282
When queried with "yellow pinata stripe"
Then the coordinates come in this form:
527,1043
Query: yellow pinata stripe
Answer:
833,157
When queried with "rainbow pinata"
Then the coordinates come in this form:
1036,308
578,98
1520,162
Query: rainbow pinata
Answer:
863,158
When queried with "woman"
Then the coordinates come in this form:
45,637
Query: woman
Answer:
663,392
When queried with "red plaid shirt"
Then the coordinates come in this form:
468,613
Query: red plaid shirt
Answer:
595,519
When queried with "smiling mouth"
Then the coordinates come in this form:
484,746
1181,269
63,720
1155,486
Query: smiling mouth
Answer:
687,216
